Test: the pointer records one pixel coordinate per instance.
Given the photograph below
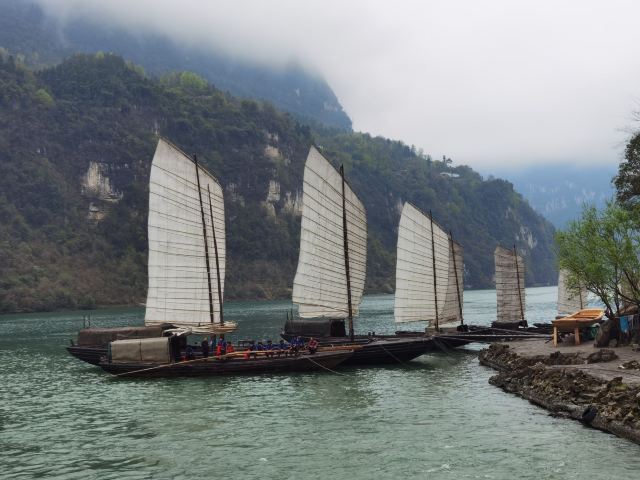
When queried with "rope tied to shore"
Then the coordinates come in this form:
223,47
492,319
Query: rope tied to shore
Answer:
394,357
322,366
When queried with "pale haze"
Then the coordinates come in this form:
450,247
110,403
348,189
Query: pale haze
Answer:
493,84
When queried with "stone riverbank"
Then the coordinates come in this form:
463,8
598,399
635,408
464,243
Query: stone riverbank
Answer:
599,387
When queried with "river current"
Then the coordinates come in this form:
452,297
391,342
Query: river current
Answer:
437,418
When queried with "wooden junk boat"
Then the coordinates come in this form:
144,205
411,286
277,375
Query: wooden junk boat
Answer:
155,357
429,285
329,280
186,271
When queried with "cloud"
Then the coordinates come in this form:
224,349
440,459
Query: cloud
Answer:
492,84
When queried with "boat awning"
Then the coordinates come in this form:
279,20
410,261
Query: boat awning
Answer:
102,336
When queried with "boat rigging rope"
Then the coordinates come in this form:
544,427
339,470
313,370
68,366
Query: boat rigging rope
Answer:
322,366
443,348
394,357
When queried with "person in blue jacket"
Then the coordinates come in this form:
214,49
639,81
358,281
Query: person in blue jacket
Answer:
283,348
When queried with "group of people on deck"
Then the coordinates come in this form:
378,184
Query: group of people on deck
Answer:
221,347
271,349
218,348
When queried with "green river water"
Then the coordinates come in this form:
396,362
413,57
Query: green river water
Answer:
437,418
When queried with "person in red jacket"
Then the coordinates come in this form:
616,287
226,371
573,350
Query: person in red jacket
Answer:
312,345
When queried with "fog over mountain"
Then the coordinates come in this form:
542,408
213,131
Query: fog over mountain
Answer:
560,192
487,84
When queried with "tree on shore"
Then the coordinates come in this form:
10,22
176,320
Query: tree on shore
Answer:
600,252
627,182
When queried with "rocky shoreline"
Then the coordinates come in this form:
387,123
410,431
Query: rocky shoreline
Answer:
600,388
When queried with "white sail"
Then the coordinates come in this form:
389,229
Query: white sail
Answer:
451,312
320,284
509,285
179,285
418,288
569,300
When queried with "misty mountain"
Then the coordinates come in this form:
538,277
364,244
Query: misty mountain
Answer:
41,41
76,143
558,192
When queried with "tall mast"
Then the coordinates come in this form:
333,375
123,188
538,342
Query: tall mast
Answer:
433,258
215,250
455,272
515,255
204,234
346,255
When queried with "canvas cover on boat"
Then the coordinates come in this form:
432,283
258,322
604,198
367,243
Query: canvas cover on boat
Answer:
320,284
179,285
509,285
421,291
569,300
143,350
102,336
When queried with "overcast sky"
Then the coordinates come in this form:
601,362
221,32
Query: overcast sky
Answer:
492,84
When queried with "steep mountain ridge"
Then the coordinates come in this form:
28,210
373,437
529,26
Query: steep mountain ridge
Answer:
76,142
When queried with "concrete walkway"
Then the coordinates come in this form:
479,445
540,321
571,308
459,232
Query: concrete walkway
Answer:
603,370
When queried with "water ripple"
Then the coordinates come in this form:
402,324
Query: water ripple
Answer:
437,418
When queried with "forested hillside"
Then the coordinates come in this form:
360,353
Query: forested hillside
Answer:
76,142
41,40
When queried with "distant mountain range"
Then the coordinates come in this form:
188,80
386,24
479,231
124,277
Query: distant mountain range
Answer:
559,192
41,41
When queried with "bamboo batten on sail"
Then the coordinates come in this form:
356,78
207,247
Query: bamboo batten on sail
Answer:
320,283
569,300
452,311
183,289
421,290
509,285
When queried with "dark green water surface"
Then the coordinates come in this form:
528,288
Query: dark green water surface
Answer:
436,419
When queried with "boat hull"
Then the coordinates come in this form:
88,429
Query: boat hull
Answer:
379,350
391,351
88,354
214,367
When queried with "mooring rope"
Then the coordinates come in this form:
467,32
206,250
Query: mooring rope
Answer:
322,366
394,357
443,349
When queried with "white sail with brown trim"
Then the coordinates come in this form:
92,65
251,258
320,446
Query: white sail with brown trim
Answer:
421,291
509,285
182,290
452,311
320,284
569,300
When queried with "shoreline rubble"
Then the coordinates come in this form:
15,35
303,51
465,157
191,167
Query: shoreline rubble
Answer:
598,387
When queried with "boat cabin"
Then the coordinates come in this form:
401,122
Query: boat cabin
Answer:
325,327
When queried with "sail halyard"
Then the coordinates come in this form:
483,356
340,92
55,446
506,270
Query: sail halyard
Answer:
452,309
181,289
215,249
204,236
332,240
515,256
422,267
509,278
435,280
346,256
